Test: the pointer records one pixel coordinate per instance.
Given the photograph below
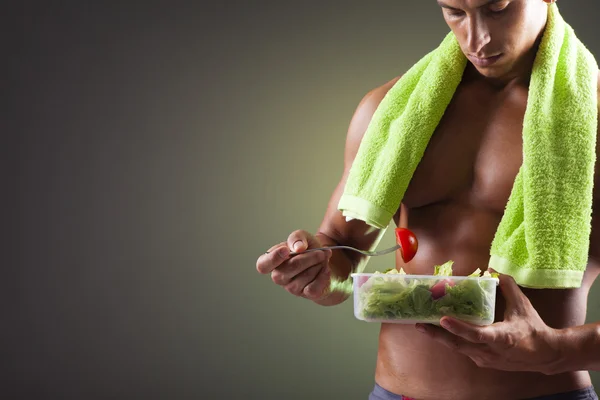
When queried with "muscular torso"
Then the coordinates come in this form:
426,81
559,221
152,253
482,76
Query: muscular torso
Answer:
454,204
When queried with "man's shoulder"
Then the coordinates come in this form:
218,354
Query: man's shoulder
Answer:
370,102
364,113
375,95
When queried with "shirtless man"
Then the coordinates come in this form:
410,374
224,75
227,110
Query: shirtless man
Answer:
454,204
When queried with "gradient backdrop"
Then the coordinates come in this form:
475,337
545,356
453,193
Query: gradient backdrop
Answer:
156,150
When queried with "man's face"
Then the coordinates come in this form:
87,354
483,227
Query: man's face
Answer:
495,34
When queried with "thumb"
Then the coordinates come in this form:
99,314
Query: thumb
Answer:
300,240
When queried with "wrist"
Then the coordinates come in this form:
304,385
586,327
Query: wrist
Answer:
337,292
578,348
331,299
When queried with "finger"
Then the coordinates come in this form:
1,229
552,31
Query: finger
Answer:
297,285
301,240
294,266
319,287
516,301
450,340
273,258
470,332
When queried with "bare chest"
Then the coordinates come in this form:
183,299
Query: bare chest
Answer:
475,153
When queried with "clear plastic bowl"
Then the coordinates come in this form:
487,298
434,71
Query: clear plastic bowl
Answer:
409,299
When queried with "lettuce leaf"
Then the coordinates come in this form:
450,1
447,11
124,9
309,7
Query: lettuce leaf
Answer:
385,297
444,269
476,273
469,298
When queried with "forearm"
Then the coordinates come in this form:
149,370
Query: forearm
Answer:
579,348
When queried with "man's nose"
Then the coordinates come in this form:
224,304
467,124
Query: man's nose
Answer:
478,35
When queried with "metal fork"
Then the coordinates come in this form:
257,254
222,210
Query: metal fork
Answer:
365,252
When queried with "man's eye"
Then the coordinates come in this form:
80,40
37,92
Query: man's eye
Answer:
498,8
455,13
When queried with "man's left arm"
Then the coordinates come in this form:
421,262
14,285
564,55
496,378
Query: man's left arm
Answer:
581,344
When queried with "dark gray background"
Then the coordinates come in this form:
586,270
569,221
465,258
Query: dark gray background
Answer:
153,151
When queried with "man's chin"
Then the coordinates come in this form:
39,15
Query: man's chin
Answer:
493,72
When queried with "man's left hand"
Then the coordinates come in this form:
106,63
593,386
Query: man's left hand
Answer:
521,342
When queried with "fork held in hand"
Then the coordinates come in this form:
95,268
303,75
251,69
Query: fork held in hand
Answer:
365,252
407,243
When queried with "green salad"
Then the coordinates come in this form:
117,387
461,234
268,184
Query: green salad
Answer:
387,297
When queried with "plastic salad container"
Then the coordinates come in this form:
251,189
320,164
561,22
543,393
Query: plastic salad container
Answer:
395,297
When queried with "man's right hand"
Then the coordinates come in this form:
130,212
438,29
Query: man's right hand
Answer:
304,275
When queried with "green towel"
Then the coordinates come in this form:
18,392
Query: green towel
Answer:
543,237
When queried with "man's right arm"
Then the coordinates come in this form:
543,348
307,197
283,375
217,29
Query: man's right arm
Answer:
334,228
310,275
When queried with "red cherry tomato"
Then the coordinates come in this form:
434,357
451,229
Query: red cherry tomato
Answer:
408,243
